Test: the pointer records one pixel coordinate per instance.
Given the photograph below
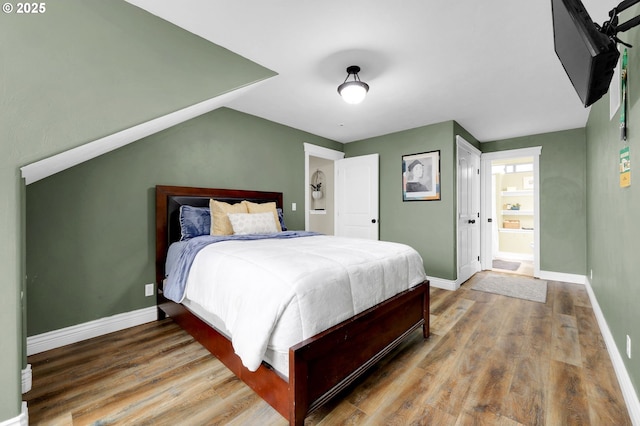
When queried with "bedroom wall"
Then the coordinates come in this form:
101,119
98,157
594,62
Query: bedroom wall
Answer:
563,214
613,230
91,228
562,198
78,72
428,226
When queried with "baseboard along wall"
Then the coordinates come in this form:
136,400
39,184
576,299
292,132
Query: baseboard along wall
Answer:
628,391
77,333
21,419
27,378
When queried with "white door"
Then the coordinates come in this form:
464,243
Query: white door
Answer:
357,197
468,210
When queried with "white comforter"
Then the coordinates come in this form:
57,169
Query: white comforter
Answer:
326,279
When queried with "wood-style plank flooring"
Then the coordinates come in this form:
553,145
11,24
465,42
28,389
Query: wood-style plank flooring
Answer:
490,360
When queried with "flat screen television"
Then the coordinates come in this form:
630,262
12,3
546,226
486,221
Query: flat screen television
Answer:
588,56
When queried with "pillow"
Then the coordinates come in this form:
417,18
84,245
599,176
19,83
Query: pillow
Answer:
262,208
281,219
194,221
252,223
220,224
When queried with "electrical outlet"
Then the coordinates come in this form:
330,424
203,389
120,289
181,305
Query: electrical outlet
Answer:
148,289
628,347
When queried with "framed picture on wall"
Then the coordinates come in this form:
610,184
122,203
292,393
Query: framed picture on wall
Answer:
421,176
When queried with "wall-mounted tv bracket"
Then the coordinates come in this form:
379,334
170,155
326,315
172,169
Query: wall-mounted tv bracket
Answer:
612,28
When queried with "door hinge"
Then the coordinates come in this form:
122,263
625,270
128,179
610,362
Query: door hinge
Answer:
478,258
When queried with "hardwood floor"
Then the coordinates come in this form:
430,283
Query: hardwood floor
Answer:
490,360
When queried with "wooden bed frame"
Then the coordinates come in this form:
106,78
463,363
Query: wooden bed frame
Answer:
320,366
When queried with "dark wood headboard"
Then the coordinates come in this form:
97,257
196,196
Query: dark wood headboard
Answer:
170,198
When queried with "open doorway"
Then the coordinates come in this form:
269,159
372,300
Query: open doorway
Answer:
347,202
510,211
513,203
319,169
321,201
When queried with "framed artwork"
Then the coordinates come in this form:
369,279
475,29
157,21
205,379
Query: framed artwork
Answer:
421,176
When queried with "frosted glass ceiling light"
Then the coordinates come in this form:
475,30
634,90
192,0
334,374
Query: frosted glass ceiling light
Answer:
353,92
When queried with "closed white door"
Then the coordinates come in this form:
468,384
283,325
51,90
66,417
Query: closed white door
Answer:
468,211
357,197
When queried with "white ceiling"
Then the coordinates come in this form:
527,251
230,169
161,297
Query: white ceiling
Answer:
489,65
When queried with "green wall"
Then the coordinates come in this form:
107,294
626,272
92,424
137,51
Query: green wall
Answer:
91,228
82,70
428,226
563,217
563,213
612,221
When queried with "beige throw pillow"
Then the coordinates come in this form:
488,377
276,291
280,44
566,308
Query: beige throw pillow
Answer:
262,208
220,224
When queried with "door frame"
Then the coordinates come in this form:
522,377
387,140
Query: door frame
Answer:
311,150
486,228
464,144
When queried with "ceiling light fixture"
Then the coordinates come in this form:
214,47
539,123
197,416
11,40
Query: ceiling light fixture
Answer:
353,92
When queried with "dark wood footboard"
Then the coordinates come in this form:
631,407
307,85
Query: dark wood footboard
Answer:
323,365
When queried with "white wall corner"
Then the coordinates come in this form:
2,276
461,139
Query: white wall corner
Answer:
27,379
624,380
77,333
20,420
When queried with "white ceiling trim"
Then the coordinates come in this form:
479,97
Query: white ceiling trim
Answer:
49,166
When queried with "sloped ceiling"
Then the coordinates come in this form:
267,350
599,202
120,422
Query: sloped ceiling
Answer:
489,65
80,79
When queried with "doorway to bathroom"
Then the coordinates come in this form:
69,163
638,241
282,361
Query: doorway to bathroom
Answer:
511,213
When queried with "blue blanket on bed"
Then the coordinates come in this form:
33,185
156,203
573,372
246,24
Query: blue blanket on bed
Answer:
175,284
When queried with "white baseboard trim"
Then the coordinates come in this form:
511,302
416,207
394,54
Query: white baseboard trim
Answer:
564,277
628,391
27,379
76,333
546,275
20,420
444,284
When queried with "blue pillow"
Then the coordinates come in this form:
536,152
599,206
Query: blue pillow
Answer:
281,218
194,221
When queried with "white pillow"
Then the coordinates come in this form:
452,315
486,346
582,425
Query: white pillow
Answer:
252,223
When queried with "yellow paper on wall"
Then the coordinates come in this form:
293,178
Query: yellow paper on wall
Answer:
625,168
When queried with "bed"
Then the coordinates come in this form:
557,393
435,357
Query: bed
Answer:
318,367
